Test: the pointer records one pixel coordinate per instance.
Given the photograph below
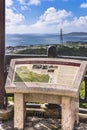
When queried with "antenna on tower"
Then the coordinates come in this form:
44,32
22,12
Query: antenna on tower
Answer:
61,36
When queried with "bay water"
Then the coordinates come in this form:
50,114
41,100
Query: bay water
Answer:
40,39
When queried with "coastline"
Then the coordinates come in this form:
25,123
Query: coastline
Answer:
69,48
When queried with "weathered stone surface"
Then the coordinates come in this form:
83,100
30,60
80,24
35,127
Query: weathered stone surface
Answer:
6,114
19,111
69,110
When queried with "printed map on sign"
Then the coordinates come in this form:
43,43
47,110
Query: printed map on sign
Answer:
46,73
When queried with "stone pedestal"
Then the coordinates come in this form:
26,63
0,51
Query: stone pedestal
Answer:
70,106
19,109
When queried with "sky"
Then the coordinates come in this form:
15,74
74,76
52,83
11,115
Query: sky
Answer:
45,16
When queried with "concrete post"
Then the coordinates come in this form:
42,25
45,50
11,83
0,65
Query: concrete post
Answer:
19,111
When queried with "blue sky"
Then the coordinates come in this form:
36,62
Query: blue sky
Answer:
46,16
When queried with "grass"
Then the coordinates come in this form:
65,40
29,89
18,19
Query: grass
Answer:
82,91
82,95
11,99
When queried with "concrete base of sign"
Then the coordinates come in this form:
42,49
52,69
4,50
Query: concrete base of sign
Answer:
70,108
7,113
63,87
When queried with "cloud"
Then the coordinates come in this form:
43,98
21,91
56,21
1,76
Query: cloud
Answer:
34,2
13,18
9,3
12,15
81,21
46,23
83,5
21,1
52,16
52,20
49,22
76,24
30,2
24,7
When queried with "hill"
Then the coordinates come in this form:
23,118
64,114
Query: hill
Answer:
76,33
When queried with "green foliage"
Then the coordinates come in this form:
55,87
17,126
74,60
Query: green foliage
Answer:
82,91
11,99
37,51
82,95
64,49
72,50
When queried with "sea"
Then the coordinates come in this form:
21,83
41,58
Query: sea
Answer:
40,39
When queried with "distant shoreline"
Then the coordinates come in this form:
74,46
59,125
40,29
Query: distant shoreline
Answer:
69,48
43,39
